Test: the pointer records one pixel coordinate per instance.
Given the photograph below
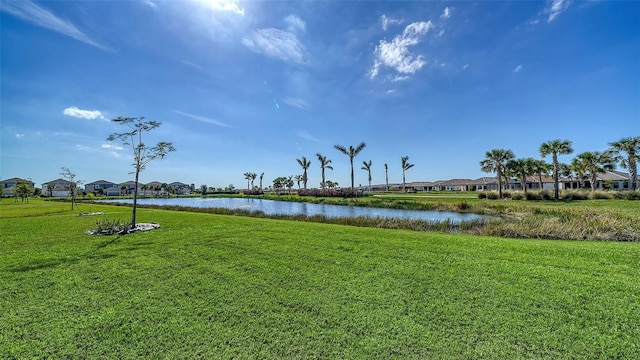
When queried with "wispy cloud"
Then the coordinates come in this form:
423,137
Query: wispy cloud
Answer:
277,44
83,114
295,102
19,136
204,119
446,13
232,6
385,21
150,4
295,23
31,12
305,135
555,8
465,66
518,69
111,147
396,55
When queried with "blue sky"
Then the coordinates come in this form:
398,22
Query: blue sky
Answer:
250,86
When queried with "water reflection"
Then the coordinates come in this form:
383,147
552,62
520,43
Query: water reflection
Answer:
275,207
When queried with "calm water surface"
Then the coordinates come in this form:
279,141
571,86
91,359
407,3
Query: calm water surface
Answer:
274,207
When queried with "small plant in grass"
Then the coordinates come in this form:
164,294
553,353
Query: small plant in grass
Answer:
463,206
600,195
109,227
482,195
493,195
518,195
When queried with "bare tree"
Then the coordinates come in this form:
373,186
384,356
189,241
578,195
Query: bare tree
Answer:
73,184
142,154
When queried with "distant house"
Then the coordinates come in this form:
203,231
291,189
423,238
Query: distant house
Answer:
8,186
56,188
180,188
102,187
128,187
610,180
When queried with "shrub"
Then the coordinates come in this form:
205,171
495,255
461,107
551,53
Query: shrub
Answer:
575,195
343,193
518,195
600,194
632,195
463,206
252,192
493,195
482,195
547,194
106,227
506,194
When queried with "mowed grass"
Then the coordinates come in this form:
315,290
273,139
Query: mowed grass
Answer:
212,286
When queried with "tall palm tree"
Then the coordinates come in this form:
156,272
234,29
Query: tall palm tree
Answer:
495,161
247,176
366,166
521,168
405,166
351,153
304,163
253,177
555,148
261,176
324,164
386,175
630,146
594,162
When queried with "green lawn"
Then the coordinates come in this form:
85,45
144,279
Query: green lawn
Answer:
212,286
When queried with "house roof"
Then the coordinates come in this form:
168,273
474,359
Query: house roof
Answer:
57,181
14,180
101,182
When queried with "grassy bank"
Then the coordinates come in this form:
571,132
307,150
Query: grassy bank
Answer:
212,286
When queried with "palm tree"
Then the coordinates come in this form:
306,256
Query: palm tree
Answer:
298,179
386,175
253,177
324,164
556,147
495,161
577,166
594,162
521,168
304,163
261,176
50,188
541,168
366,166
247,176
351,153
405,166
630,146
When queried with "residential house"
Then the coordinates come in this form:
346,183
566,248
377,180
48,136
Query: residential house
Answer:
609,180
56,188
180,188
8,186
128,187
102,187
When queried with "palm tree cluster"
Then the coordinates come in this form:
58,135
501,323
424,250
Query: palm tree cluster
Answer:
325,164
585,165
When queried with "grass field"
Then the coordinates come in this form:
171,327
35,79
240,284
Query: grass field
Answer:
212,286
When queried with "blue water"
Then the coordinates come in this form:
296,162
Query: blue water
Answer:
274,207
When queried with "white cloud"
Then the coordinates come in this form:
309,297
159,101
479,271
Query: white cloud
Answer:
150,4
518,69
276,43
395,54
400,78
446,13
204,119
31,12
441,32
555,8
227,5
391,91
465,66
295,23
305,135
295,102
19,136
111,147
83,114
386,21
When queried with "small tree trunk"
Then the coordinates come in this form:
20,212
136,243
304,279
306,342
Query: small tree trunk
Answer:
135,199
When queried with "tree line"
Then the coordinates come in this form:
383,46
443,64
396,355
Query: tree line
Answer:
585,166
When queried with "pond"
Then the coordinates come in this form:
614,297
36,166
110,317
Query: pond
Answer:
274,207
